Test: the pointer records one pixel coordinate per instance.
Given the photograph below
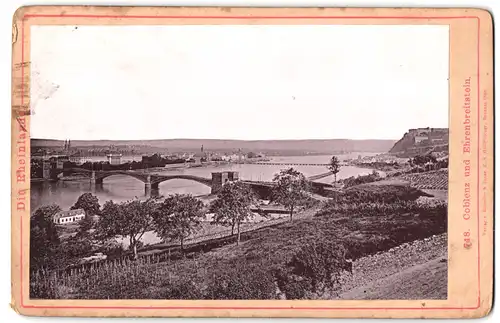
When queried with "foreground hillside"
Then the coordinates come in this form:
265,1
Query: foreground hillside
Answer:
311,257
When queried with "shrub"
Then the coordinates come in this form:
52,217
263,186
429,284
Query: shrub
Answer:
75,247
371,208
442,163
395,174
112,249
182,287
241,281
362,179
314,270
379,194
293,287
417,169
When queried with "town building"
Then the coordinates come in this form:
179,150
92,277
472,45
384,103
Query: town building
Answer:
114,159
66,217
236,157
215,157
57,160
78,158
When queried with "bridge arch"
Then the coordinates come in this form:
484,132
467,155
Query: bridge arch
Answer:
156,180
56,173
181,186
101,175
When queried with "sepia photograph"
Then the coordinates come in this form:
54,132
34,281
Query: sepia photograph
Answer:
239,162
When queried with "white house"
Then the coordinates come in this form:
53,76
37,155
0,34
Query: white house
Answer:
65,217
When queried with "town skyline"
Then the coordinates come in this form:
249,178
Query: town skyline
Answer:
62,138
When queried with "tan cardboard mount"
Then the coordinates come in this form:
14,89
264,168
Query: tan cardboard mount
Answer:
470,272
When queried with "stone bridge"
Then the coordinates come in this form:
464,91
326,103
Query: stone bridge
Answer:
152,181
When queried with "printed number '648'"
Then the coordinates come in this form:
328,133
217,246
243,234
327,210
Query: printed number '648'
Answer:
467,242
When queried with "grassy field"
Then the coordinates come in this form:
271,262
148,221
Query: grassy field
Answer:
361,222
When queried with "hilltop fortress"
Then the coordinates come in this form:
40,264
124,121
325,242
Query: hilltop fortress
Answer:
421,141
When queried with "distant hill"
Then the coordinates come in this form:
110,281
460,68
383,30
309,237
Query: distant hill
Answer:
421,141
266,146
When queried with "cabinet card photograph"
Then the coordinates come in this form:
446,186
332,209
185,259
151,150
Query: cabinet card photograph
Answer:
252,162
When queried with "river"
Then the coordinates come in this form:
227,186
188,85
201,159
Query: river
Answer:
121,188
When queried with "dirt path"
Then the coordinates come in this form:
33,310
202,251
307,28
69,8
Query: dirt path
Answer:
423,281
416,270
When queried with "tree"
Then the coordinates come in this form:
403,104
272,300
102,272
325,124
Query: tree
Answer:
128,219
232,206
178,217
334,166
290,189
85,225
90,204
44,238
36,168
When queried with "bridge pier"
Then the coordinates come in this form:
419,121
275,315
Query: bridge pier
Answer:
150,191
151,188
46,170
147,185
219,178
94,180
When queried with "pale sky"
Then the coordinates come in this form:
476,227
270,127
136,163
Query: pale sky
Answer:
237,82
